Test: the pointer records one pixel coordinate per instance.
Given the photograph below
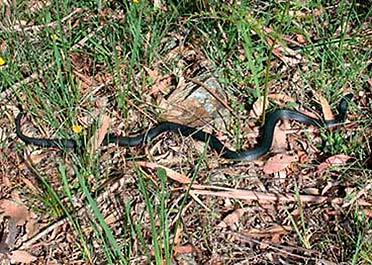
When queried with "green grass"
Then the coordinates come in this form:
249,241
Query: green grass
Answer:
124,38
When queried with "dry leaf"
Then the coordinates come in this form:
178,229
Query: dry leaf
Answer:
280,140
161,85
30,185
258,107
111,219
82,64
14,210
365,212
326,108
278,163
86,81
303,158
100,134
3,44
154,74
22,257
232,218
285,54
277,52
36,6
300,39
270,231
186,249
336,160
281,98
35,158
187,111
181,178
32,225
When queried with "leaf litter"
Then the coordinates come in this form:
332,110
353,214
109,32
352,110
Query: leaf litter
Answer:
239,193
18,216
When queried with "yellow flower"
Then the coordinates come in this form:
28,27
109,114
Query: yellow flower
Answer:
54,37
136,1
77,129
2,61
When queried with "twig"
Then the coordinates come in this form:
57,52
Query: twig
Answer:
43,233
273,197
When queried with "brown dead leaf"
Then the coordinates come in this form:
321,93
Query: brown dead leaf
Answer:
160,82
300,39
185,249
277,51
30,185
3,45
188,111
326,108
100,134
32,225
6,181
300,14
34,158
281,98
86,81
278,163
111,219
285,54
270,231
161,85
22,257
35,6
336,160
303,158
258,107
366,212
181,178
18,216
153,74
232,218
280,140
82,64
14,210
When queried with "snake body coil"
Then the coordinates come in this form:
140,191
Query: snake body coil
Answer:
262,148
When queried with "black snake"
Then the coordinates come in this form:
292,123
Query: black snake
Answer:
262,148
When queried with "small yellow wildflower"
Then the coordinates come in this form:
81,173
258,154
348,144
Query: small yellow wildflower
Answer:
77,129
54,37
136,1
2,61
